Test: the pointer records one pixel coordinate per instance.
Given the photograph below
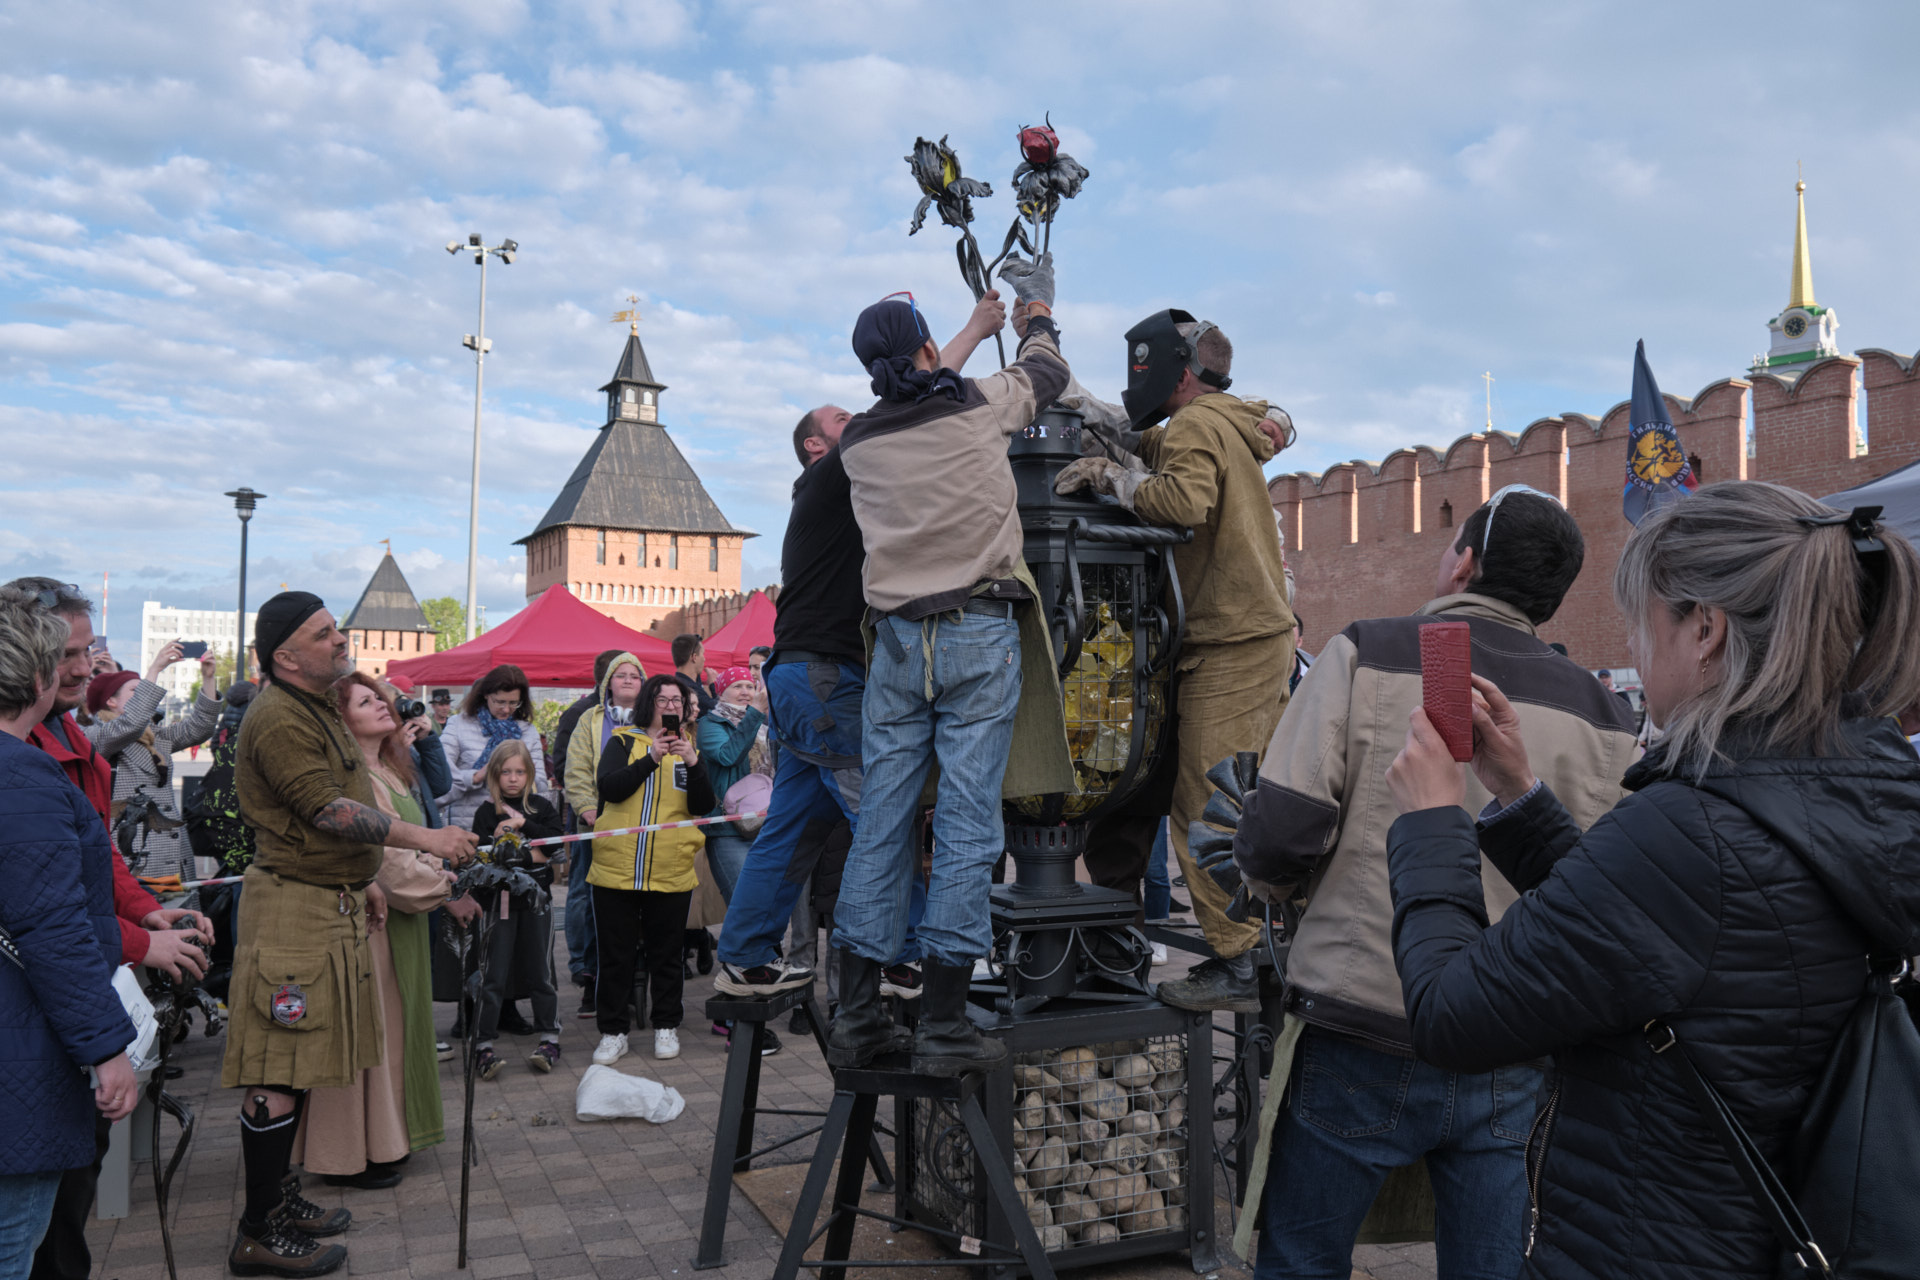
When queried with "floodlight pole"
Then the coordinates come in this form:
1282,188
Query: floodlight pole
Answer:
478,344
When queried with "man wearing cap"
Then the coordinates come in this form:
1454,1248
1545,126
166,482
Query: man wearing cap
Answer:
1357,1103
1232,677
957,642
304,1016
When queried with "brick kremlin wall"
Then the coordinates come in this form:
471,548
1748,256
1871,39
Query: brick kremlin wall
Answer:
1365,540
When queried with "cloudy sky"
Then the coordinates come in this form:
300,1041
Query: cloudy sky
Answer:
222,231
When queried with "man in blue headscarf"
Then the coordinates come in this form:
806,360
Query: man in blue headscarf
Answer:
955,638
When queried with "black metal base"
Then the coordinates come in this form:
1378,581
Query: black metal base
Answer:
849,1128
1056,943
733,1150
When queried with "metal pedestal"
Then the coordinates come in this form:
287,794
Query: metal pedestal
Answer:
849,1129
733,1150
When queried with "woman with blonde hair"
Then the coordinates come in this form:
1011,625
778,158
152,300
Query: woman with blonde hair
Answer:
1766,858
520,943
360,1135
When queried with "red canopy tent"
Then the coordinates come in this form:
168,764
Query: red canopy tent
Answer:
753,625
554,640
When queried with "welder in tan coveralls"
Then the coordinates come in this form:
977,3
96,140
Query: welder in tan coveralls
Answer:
1232,675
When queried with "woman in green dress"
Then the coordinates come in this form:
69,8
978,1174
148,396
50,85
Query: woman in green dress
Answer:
359,1136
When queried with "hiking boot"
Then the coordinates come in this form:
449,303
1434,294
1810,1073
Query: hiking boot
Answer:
946,1043
545,1056
760,979
308,1218
863,1030
486,1063
272,1248
1210,986
901,980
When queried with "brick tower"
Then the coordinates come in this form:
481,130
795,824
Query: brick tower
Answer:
634,532
387,622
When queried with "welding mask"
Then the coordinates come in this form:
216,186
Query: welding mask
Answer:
1156,355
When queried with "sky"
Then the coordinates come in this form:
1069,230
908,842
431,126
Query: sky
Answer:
222,231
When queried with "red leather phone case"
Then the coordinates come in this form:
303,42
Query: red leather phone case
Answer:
1446,691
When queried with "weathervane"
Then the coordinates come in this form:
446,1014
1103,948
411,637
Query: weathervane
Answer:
631,315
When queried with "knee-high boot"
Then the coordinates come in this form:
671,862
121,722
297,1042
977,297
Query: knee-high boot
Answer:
946,1043
863,1029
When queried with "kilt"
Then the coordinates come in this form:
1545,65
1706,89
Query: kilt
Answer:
303,1010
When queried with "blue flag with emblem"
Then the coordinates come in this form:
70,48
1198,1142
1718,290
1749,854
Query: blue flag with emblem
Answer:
1657,469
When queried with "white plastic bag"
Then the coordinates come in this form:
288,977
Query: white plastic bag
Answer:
606,1094
144,1052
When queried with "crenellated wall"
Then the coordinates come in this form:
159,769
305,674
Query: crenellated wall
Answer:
1365,539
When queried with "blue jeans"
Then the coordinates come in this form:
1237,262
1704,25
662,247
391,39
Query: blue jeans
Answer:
583,958
1158,892
959,710
1353,1113
26,1206
727,852
814,712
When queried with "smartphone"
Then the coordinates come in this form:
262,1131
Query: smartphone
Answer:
197,649
1446,669
669,723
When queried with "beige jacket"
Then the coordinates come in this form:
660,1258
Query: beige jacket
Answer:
1321,811
1206,476
932,488
583,749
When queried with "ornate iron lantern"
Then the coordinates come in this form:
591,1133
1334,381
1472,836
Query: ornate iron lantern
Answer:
1112,596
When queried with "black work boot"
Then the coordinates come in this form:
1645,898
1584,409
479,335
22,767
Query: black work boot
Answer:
310,1219
946,1043
274,1248
1211,985
863,1029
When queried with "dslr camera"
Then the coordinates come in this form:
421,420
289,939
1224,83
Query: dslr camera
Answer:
406,708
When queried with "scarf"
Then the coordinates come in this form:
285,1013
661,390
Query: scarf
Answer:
885,338
760,755
498,731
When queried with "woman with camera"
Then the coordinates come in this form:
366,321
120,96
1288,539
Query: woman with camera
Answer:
124,709
1769,846
60,1018
360,1135
648,774
497,710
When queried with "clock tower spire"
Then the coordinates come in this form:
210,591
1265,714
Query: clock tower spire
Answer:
1804,332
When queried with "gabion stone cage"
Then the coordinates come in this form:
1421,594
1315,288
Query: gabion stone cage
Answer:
1107,1155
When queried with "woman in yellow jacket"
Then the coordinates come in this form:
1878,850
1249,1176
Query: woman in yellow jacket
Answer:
648,773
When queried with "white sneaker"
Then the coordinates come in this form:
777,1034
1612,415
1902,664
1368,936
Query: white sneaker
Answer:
611,1050
666,1043
1159,954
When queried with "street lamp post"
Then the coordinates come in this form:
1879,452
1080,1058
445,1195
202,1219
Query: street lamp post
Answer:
244,501
478,344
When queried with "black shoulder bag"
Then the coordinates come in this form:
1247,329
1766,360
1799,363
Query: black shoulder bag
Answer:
1850,1213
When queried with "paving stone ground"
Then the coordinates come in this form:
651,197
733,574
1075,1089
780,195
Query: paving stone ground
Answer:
552,1197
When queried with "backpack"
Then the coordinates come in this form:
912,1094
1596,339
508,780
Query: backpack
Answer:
1846,1209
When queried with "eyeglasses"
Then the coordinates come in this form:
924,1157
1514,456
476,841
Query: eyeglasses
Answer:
918,324
1493,506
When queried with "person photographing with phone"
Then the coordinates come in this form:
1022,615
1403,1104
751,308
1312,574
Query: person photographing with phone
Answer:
124,708
649,772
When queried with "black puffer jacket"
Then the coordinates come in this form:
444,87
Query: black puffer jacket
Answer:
1735,908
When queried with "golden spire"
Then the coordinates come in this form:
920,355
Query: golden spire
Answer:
631,315
1800,290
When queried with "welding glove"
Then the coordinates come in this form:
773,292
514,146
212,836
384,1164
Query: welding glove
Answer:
1030,281
1107,429
1102,475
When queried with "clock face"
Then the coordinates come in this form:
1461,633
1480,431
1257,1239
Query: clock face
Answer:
1795,326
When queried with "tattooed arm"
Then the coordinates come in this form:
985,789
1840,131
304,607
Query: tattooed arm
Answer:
365,824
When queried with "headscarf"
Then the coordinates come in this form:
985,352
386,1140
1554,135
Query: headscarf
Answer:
730,677
885,338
